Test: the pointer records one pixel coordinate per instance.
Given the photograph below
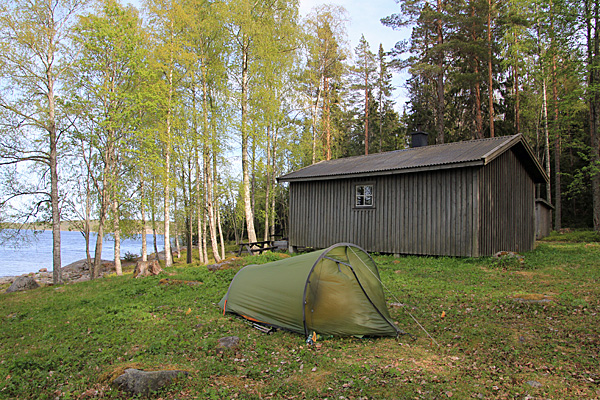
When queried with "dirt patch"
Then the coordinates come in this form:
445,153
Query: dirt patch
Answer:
241,383
533,298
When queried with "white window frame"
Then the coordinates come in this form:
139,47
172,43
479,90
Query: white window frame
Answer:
363,195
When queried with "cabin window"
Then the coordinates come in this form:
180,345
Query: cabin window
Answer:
363,196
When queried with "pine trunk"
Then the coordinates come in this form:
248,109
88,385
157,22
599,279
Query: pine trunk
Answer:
366,110
327,117
490,76
517,96
593,39
440,104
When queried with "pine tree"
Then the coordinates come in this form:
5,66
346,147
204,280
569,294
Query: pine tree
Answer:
364,80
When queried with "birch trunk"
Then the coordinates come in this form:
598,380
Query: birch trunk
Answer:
176,230
557,152
216,202
167,178
199,208
95,271
268,184
117,237
249,213
53,157
143,216
546,141
210,207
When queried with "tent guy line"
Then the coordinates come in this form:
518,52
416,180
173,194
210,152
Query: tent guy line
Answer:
398,301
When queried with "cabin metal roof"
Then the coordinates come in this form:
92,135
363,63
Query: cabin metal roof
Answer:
443,156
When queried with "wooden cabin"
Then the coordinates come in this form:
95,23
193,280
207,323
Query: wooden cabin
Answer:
471,198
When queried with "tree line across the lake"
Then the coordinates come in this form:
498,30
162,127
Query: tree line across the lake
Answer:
113,114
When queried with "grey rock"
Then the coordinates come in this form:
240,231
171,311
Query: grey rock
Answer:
22,283
6,279
534,384
229,342
140,382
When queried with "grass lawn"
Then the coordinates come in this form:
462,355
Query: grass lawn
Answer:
505,329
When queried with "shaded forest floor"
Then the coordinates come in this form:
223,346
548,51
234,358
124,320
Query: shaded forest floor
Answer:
505,328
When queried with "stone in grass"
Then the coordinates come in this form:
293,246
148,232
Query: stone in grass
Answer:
228,342
143,383
22,283
534,384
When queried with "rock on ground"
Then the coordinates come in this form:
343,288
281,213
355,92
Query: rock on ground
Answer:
229,342
22,283
140,382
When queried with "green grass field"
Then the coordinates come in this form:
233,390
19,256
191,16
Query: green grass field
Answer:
505,329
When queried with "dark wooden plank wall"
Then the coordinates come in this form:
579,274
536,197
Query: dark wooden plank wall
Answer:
429,213
543,219
507,211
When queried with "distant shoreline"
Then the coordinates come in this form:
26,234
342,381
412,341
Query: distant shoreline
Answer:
75,226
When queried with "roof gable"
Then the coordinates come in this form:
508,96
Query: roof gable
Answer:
450,155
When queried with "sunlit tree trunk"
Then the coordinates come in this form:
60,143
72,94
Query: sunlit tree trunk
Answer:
546,139
143,217
490,71
249,213
440,104
167,172
117,236
593,49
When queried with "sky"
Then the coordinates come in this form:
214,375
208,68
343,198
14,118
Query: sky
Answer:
364,19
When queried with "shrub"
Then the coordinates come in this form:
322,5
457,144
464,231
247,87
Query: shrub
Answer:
130,257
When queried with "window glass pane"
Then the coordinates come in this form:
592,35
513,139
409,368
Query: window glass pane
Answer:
364,195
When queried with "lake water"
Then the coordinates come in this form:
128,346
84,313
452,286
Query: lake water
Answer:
34,254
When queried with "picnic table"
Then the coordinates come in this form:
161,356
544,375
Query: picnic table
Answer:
256,247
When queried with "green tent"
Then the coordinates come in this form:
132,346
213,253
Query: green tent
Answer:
336,291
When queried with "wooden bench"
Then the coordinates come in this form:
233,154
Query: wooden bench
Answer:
256,247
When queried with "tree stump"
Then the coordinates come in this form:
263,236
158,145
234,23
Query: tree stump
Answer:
146,268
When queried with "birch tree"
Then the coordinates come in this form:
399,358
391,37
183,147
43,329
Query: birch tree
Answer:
105,83
35,56
168,22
